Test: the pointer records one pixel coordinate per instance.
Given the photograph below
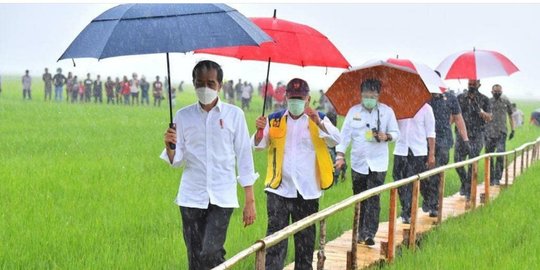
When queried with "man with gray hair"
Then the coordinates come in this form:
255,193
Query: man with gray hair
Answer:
369,126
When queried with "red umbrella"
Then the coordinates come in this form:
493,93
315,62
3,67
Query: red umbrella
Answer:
294,43
475,65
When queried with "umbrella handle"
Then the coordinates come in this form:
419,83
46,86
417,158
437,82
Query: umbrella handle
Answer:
172,146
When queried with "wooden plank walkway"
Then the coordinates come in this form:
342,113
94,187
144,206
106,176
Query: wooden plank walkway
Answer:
454,205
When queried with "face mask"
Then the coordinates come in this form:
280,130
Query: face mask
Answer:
206,95
473,90
369,103
296,106
497,95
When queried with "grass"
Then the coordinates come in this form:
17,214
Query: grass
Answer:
83,187
503,235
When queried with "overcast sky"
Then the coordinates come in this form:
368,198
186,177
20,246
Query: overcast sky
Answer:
33,36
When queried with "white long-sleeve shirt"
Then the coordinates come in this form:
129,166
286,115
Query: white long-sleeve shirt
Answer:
299,169
210,144
414,133
366,153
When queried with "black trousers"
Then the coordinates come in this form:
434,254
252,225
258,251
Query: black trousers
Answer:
405,167
432,185
460,154
370,208
280,209
496,144
204,234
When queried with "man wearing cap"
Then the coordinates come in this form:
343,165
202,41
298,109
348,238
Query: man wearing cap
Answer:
369,126
299,168
213,144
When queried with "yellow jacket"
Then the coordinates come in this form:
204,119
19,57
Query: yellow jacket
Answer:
276,135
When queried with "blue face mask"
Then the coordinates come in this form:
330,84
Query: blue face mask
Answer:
296,106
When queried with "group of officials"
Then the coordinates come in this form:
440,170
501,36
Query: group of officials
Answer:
212,142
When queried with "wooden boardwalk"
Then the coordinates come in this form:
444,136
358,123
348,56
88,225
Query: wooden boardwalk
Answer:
455,205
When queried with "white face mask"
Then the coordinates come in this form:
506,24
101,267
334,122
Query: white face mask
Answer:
206,95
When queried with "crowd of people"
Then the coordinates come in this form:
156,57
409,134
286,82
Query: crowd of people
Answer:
128,91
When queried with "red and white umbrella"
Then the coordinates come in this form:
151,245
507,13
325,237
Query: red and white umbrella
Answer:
475,65
433,82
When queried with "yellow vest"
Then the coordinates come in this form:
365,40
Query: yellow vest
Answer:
277,133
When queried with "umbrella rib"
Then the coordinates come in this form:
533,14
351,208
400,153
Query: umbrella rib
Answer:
162,16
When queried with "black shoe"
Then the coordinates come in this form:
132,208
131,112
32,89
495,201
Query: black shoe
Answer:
425,208
497,182
406,220
433,213
462,191
369,241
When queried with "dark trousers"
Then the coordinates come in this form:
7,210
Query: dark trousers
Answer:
280,209
406,166
432,184
460,154
371,207
204,234
496,144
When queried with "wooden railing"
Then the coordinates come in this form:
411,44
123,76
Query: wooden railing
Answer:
260,246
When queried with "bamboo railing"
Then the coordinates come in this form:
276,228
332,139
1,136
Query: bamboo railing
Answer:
260,246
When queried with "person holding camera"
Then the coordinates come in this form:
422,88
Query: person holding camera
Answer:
369,127
413,154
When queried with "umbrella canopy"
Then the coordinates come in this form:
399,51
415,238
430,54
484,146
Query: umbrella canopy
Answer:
294,43
475,65
133,29
401,88
433,82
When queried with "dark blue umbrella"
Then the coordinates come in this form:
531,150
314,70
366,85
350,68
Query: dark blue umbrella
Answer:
133,29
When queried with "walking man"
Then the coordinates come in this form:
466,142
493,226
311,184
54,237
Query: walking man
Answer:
369,126
496,131
211,137
299,168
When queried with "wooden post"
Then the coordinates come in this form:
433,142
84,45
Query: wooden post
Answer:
527,162
506,167
474,183
414,210
260,259
351,258
441,197
321,257
392,225
522,161
515,166
487,181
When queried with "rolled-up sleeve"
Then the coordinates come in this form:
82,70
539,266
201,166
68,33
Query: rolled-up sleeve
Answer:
244,156
180,148
430,122
393,128
345,134
332,138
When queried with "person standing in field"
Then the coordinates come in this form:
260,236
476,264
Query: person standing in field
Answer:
299,169
69,85
157,91
211,137
517,116
27,85
109,89
145,86
126,89
82,92
98,90
369,126
87,88
47,81
74,90
134,89
246,95
59,82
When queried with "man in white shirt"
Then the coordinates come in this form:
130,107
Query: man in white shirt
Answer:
27,85
369,126
210,137
299,168
411,156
